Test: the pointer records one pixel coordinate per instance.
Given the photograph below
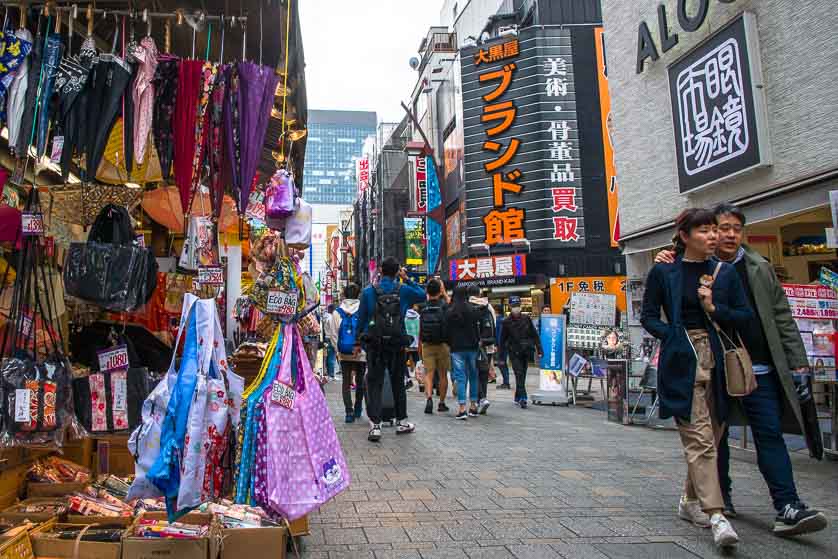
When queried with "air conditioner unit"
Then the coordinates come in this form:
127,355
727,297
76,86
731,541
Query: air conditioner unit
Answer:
507,30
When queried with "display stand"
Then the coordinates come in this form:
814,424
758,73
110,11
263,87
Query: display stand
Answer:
552,366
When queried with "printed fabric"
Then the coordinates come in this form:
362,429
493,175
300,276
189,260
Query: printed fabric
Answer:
98,399
165,89
143,94
232,144
119,399
16,90
215,144
13,52
208,74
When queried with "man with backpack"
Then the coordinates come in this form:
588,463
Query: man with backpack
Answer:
519,338
342,336
435,352
486,332
381,324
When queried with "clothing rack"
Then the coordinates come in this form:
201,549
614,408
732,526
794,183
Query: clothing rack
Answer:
143,15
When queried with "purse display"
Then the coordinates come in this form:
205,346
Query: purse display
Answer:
279,198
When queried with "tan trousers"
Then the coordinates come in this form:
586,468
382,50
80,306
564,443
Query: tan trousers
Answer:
701,435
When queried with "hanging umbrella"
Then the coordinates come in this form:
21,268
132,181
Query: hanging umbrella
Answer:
256,94
163,206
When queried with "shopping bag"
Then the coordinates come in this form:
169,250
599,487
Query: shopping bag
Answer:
419,372
306,463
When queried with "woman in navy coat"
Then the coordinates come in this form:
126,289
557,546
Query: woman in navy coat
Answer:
691,377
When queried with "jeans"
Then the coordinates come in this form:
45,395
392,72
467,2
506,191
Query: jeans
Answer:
381,361
465,371
764,409
330,360
520,361
504,368
349,369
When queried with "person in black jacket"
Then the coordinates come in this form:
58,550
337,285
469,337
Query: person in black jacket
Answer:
464,341
519,339
703,300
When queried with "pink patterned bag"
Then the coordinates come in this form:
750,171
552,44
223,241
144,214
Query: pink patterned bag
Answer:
306,466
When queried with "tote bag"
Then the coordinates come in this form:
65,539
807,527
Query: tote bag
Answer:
144,442
298,226
306,466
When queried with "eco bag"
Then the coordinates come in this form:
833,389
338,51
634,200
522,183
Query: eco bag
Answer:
739,370
298,226
306,466
279,198
144,442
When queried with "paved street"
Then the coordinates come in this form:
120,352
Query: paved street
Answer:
546,482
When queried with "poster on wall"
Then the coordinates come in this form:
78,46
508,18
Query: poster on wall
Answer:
414,238
593,308
813,302
562,288
814,307
452,232
637,288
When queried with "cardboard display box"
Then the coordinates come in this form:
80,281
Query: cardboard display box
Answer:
35,489
158,548
124,521
19,547
113,456
46,546
15,514
249,543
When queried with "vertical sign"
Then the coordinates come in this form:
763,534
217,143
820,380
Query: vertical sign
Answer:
421,184
362,171
522,166
552,364
607,137
414,238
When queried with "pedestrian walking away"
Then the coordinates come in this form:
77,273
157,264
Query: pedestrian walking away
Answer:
501,360
519,340
436,355
330,354
464,340
486,351
777,352
352,358
700,298
382,334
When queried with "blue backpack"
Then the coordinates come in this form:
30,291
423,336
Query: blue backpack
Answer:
348,332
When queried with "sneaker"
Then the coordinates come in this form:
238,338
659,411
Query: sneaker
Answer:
390,423
442,407
795,519
350,418
429,406
472,411
484,405
405,427
375,433
691,512
523,404
505,386
462,416
723,533
408,385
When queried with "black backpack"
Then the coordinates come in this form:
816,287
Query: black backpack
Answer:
486,326
387,327
432,324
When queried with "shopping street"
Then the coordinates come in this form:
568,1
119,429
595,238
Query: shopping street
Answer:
546,482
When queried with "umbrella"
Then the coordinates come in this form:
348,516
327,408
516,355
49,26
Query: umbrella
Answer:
163,206
256,95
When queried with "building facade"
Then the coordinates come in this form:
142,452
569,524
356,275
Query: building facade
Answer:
726,102
335,142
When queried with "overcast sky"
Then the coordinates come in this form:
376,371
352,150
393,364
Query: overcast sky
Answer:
357,52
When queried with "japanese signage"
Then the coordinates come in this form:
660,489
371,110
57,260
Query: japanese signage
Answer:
718,107
522,166
283,394
420,164
211,275
362,173
452,231
552,362
599,309
608,144
32,224
414,240
561,289
814,302
113,359
281,303
488,267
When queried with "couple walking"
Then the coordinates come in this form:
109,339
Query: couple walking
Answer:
715,292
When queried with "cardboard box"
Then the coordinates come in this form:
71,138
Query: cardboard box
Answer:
124,521
249,543
14,513
113,456
151,548
36,489
19,547
300,527
46,546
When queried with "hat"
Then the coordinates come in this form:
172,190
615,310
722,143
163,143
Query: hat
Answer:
514,301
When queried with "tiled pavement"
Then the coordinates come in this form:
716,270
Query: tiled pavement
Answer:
546,482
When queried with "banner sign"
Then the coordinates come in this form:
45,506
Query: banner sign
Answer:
562,288
421,183
814,302
362,172
552,364
610,161
414,239
599,309
522,152
466,269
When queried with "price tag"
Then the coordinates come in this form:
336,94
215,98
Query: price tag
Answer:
57,148
141,241
256,206
120,394
26,325
113,359
32,224
281,303
23,397
211,275
282,394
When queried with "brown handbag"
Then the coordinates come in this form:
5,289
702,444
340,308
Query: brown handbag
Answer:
739,370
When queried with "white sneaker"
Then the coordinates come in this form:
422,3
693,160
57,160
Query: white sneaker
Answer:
484,405
723,533
692,513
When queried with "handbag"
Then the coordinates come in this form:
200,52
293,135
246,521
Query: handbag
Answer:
739,370
298,226
811,423
279,198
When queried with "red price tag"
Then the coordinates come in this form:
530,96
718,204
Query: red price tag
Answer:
32,224
113,359
211,275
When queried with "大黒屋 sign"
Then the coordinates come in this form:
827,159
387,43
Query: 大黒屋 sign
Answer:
522,165
718,107
488,267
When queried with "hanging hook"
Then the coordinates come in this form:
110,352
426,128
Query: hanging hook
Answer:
167,42
193,43
147,21
24,13
89,20
179,16
71,18
57,28
223,29
260,36
244,40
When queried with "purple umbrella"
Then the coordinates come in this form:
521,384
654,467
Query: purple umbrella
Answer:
256,94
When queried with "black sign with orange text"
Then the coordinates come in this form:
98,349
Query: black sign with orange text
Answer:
522,164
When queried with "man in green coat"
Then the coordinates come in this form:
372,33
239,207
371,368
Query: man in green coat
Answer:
777,352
